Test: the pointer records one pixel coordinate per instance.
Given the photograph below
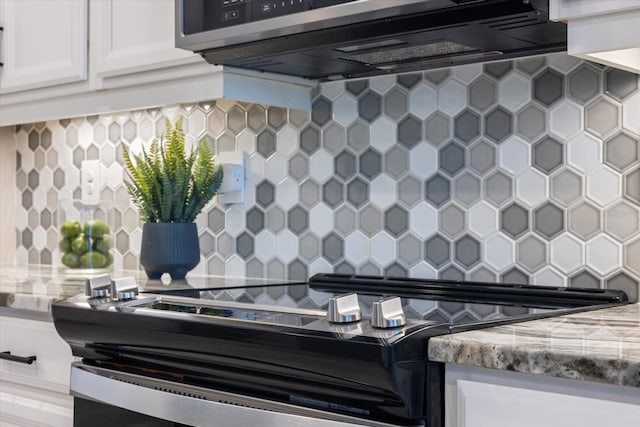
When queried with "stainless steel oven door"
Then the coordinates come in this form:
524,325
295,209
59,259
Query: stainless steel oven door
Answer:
195,406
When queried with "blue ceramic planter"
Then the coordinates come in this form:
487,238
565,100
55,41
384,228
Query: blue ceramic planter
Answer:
169,248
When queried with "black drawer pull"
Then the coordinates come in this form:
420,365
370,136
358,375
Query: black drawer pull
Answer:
6,355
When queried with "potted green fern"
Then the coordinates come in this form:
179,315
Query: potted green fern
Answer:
170,187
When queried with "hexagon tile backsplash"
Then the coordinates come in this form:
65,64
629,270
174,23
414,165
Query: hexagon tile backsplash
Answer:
520,171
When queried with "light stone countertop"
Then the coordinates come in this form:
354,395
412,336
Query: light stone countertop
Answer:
599,345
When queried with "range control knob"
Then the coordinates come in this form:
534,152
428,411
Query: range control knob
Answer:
344,309
387,313
124,288
97,286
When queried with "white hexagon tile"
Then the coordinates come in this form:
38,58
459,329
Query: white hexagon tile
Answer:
525,171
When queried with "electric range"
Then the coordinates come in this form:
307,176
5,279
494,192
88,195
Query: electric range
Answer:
338,350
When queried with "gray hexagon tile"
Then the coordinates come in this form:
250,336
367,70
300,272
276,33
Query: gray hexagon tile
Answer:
437,251
409,191
452,158
396,162
621,151
584,83
498,124
370,106
357,192
584,220
620,84
514,220
482,157
409,250
566,187
514,155
452,220
467,189
566,253
515,91
334,138
310,193
358,136
565,119
370,163
531,122
602,117
498,188
467,126
409,131
531,253
524,171
437,190
422,100
345,220
396,103
548,155
603,255
452,97
548,87
548,220
621,221
482,93
437,128
467,251
482,219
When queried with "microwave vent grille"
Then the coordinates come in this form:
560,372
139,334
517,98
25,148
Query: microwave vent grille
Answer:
430,50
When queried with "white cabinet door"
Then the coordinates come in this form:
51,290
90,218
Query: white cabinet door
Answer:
35,394
489,405
25,337
132,41
477,397
44,43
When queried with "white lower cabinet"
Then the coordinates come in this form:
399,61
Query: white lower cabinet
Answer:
478,397
34,394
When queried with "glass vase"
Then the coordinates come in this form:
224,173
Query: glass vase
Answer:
86,239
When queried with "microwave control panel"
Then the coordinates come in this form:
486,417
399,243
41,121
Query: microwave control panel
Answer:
206,15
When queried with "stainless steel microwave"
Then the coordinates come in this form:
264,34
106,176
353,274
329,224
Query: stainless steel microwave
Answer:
339,39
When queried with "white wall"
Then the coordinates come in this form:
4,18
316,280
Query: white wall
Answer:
7,195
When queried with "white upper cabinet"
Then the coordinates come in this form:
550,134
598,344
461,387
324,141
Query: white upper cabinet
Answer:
607,32
44,43
69,58
130,38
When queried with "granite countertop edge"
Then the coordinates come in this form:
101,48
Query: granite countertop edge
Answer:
598,345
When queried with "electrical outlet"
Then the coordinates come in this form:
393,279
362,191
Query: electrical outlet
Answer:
91,181
232,187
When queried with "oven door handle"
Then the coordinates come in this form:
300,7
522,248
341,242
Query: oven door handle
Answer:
196,406
6,355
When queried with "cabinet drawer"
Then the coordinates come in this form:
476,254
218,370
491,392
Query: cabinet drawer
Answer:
24,337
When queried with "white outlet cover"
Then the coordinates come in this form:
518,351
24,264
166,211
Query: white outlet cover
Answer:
91,181
234,161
